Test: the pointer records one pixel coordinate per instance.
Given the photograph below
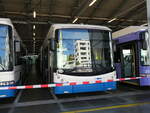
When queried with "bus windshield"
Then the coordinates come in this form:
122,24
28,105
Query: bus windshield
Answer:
84,51
145,50
4,48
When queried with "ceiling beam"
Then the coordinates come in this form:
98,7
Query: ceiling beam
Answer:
125,15
81,9
2,8
131,9
76,4
27,16
20,16
135,11
117,9
31,22
51,4
38,5
46,20
99,3
28,6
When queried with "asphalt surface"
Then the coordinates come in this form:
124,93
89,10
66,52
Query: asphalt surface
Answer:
126,99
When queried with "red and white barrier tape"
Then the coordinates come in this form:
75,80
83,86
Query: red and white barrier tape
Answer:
65,84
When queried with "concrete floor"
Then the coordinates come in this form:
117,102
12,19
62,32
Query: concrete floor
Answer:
126,99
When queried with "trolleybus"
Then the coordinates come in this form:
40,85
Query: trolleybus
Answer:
11,51
132,56
77,53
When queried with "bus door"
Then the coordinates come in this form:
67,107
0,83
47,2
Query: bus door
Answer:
128,60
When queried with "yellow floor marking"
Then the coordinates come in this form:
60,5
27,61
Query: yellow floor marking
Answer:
132,83
109,107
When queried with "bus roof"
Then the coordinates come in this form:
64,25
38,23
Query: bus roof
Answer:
82,26
61,26
6,21
128,30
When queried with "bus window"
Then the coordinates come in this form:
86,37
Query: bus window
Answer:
5,52
145,50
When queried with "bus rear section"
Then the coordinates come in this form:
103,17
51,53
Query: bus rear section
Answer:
81,54
132,58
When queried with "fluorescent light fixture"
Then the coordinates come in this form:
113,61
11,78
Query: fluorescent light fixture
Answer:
34,14
144,24
33,34
75,20
93,1
112,20
34,38
33,26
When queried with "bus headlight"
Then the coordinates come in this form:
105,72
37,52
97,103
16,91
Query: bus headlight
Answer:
145,75
60,71
62,80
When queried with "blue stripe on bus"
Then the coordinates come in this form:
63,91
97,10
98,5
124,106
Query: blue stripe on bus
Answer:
85,88
7,93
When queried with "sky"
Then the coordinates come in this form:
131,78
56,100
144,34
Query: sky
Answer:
3,30
70,36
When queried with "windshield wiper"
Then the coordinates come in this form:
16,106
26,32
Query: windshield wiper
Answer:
2,66
69,70
101,68
76,69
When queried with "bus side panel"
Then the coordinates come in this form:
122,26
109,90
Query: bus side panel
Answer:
118,69
144,71
63,89
145,81
7,93
7,79
88,88
110,85
85,88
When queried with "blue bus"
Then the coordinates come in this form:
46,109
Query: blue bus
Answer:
78,53
11,62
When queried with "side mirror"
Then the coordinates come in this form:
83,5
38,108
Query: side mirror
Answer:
52,43
114,42
143,40
144,45
17,46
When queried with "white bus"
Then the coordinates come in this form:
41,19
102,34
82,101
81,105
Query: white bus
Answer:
77,53
11,51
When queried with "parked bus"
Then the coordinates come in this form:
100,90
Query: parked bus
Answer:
77,53
132,56
11,52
